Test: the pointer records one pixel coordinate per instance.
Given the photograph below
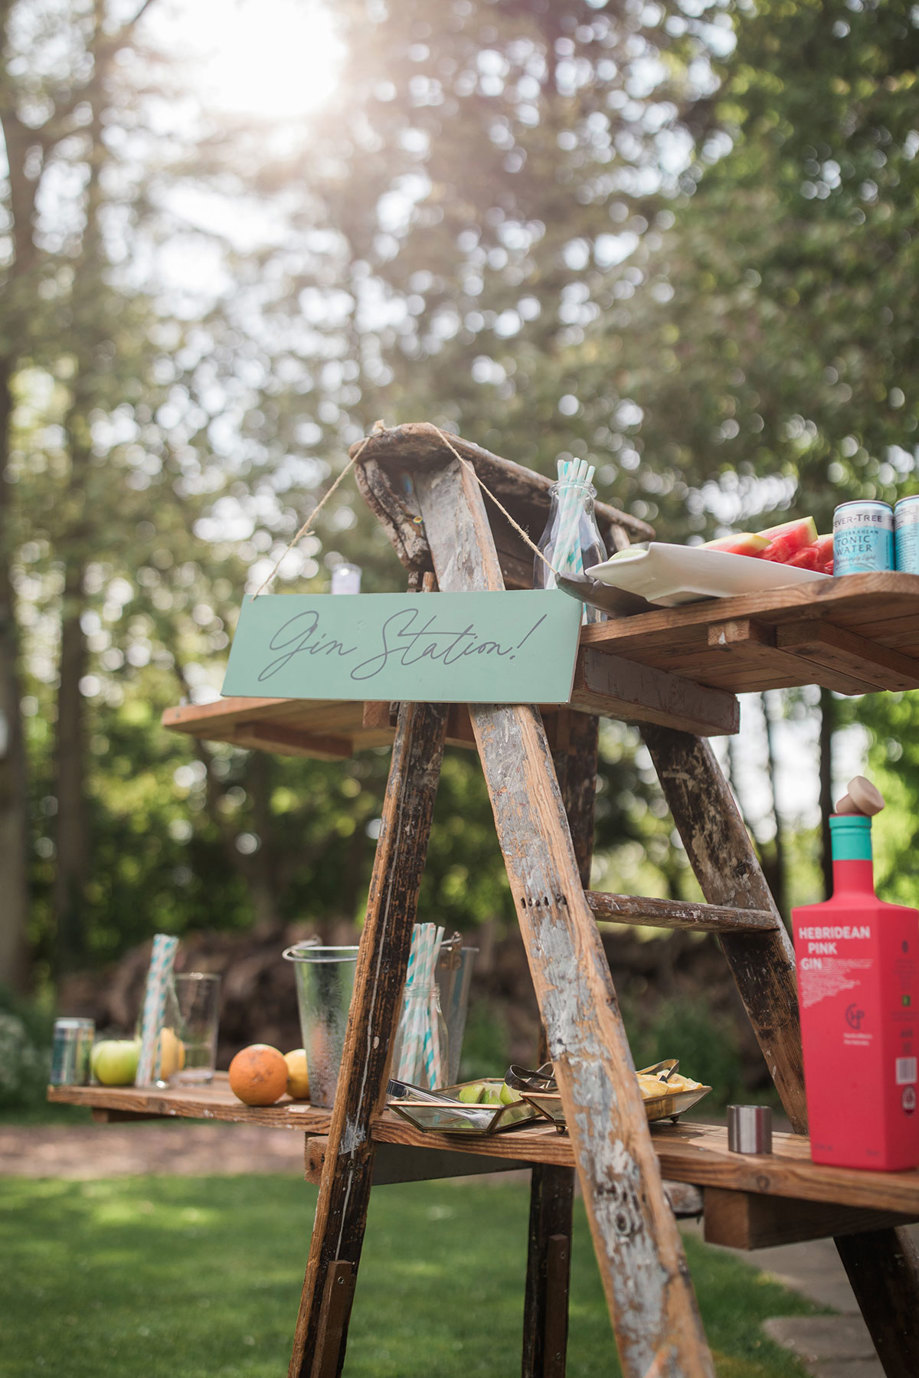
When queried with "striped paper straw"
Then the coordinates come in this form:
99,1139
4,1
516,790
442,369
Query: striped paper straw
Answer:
422,1056
428,1062
154,1008
408,1056
419,1006
566,541
569,557
435,1019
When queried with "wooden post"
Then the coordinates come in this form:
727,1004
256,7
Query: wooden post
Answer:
638,1247
883,1268
341,1210
545,1311
722,856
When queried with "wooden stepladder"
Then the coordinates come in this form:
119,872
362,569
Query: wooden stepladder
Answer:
543,810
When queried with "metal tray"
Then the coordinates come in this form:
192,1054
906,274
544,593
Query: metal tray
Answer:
666,1107
668,1104
452,1116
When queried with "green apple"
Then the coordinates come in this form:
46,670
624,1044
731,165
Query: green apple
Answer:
508,1095
114,1061
471,1094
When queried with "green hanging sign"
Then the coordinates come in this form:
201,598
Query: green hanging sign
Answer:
428,648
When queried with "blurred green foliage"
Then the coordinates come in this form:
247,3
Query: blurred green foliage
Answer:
485,1041
680,243
25,1053
705,1043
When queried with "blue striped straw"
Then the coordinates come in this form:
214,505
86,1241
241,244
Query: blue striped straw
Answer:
419,1021
428,1032
162,958
406,1069
573,475
566,545
440,1052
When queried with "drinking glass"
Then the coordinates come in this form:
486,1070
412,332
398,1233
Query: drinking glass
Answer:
197,1009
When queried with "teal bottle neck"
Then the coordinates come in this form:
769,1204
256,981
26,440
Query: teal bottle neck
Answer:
850,836
853,870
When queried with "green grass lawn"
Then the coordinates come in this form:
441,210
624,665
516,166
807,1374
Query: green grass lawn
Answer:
172,1277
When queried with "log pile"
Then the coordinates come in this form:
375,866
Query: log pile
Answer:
259,999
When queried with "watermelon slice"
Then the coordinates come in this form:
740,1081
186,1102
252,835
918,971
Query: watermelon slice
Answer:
790,543
818,555
808,558
788,538
744,543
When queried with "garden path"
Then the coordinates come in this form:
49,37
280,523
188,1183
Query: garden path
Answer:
81,1151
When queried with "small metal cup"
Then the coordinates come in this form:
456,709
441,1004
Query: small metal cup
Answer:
71,1052
749,1129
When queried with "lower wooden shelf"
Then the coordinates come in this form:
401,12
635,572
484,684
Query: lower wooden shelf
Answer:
212,1102
688,1152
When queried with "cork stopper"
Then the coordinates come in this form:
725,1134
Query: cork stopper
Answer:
861,797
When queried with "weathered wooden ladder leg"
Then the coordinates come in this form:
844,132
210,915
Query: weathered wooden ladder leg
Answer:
638,1247
341,1210
545,1312
882,1264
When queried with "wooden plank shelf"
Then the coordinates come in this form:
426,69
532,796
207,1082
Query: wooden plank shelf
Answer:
329,731
689,1152
857,634
679,667
212,1102
322,730
745,1220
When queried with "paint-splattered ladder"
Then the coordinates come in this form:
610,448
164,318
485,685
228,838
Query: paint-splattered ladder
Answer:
435,514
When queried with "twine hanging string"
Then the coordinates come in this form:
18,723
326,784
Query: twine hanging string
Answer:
378,427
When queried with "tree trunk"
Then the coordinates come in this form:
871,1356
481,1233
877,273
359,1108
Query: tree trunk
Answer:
73,833
76,537
14,825
262,871
15,964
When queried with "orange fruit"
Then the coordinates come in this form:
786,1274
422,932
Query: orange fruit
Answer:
258,1074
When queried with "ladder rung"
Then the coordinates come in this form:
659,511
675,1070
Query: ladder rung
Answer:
661,913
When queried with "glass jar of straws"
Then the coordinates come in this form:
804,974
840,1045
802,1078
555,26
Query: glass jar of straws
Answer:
421,1050
571,541
420,1054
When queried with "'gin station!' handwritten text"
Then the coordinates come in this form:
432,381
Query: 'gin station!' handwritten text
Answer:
407,637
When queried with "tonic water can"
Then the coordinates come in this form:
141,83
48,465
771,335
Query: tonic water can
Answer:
70,1052
906,534
863,537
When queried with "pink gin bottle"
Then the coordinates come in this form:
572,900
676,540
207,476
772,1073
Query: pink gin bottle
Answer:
858,982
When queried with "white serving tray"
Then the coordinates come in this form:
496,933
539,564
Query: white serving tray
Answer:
674,574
